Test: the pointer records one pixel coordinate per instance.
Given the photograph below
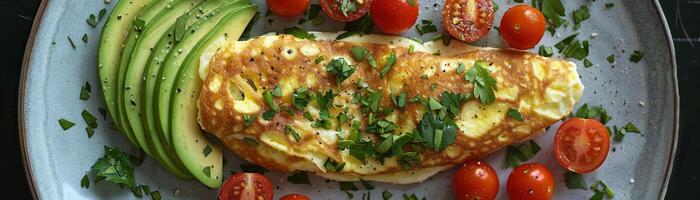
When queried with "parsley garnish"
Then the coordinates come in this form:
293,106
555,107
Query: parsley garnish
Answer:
289,130
484,83
300,98
65,124
269,114
553,10
362,25
400,100
386,195
85,38
71,42
513,113
580,15
573,48
206,151
426,26
628,128
248,120
299,178
155,195
574,180
299,33
390,61
522,153
333,166
411,49
452,102
93,21
114,167
609,5
587,63
90,119
359,53
546,51
253,168
601,189
461,68
85,182
341,69
439,133
347,186
85,91
636,56
611,58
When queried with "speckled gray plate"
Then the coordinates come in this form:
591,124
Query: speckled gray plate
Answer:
644,93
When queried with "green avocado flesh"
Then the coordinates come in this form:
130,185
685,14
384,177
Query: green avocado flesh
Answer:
113,37
144,56
187,137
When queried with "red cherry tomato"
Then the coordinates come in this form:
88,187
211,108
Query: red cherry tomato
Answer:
294,197
467,20
246,186
332,8
475,180
530,181
581,145
394,16
522,26
287,8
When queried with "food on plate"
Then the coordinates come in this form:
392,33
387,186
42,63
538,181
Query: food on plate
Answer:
475,180
336,108
522,26
394,16
287,8
245,186
294,197
531,181
345,10
468,20
581,145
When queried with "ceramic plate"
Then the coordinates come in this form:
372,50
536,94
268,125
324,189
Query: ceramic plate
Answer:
643,93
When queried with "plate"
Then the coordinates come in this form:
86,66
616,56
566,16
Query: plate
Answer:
643,93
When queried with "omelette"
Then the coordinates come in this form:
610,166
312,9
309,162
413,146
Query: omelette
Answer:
379,108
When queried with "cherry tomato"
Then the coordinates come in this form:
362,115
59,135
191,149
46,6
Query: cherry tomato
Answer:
467,20
522,26
530,181
287,8
581,145
246,186
475,180
294,197
394,16
332,8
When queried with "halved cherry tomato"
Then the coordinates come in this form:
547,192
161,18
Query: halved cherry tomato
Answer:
467,20
287,8
581,145
530,181
294,197
332,8
246,186
522,26
475,180
394,16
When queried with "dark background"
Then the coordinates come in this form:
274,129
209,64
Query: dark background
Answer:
16,18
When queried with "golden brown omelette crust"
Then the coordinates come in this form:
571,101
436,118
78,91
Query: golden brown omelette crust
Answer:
264,74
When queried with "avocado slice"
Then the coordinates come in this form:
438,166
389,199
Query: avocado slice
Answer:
161,50
188,139
147,14
133,78
113,37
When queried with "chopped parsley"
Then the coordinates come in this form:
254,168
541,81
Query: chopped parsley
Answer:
546,51
289,130
71,42
400,100
301,97
587,63
580,15
553,11
307,116
90,119
386,195
65,124
513,113
366,184
299,33
611,58
359,53
592,112
85,38
269,114
573,48
333,166
461,68
574,180
439,133
411,49
85,91
484,83
93,20
85,182
601,189
372,62
253,168
360,26
452,102
347,186
267,96
609,5
390,61
248,120
155,195
319,59
299,178
521,153
426,26
636,56
206,151
114,167
341,69
620,133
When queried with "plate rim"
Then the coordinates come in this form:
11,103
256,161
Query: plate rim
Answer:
29,48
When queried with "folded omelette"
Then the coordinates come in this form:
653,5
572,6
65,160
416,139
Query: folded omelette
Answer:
380,108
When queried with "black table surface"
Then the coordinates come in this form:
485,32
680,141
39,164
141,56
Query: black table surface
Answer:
682,15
